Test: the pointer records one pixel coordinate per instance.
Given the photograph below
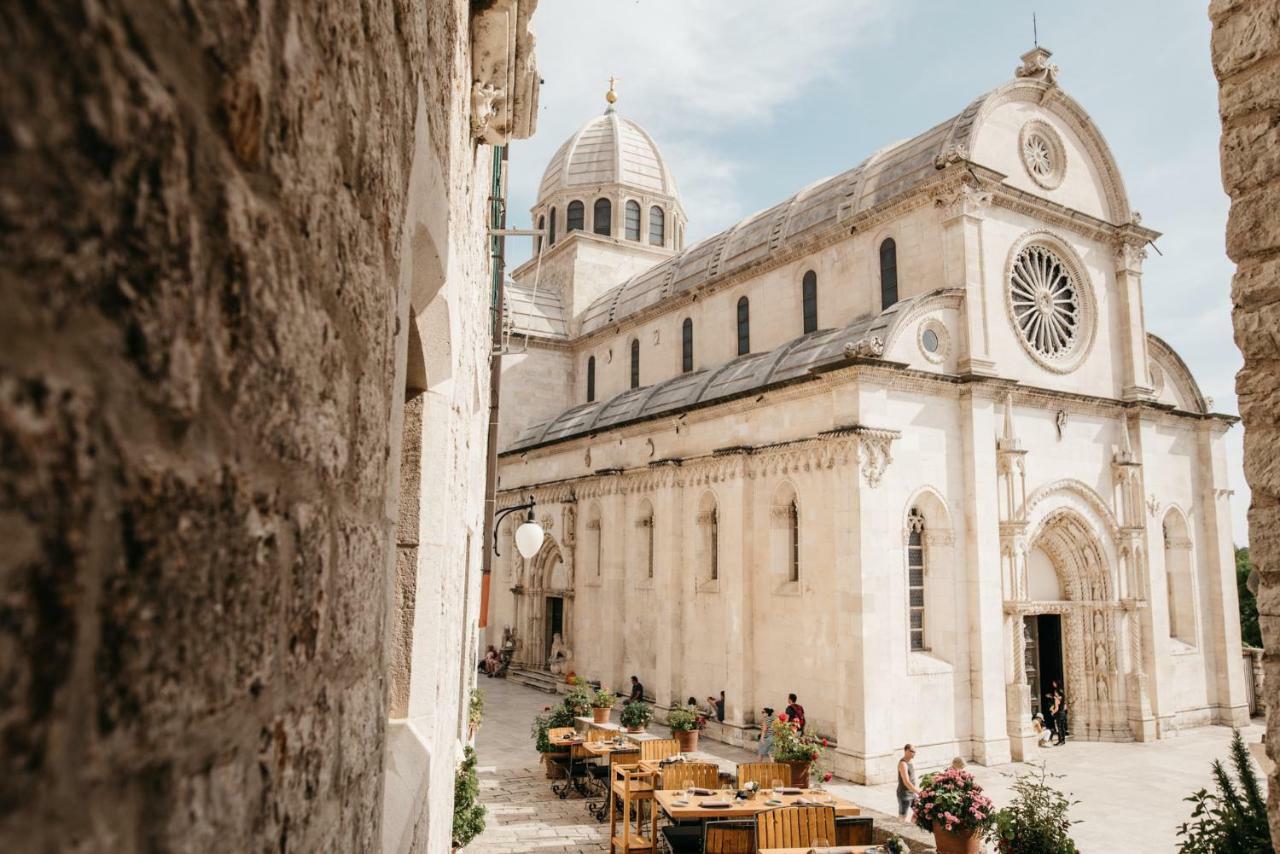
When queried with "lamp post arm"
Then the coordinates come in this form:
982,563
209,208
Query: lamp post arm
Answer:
504,513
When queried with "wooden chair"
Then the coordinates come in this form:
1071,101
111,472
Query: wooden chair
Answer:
578,768
632,787
855,830
596,734
682,775
795,827
763,773
659,748
559,758
729,837
602,775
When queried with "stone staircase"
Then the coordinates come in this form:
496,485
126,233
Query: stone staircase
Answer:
539,679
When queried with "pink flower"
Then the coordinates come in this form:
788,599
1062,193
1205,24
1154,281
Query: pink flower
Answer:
826,778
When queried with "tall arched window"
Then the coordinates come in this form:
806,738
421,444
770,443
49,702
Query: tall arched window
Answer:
542,226
784,535
793,541
596,546
551,235
574,217
602,220
744,326
709,530
888,273
915,579
633,220
1178,577
657,226
686,345
809,297
635,363
591,378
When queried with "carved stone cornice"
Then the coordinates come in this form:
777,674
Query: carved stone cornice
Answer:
504,72
968,200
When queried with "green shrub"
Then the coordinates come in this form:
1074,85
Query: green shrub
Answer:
1036,821
603,699
578,700
558,716
681,719
468,814
475,712
1234,820
636,715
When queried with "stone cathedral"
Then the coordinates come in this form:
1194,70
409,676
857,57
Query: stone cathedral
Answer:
901,443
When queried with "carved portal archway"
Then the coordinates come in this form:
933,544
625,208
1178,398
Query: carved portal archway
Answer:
547,576
1093,622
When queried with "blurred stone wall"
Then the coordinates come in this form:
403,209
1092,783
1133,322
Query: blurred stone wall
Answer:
202,293
1246,59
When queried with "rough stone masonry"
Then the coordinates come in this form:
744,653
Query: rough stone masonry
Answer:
201,207
1246,59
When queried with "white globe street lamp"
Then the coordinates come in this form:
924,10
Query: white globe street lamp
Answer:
529,535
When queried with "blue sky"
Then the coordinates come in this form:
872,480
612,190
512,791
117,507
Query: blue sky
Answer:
750,100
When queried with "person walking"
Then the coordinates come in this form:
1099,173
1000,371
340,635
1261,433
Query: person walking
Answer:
1061,715
765,745
907,788
795,712
1050,711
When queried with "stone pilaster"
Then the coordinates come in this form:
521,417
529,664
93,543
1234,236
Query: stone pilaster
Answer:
1129,255
963,213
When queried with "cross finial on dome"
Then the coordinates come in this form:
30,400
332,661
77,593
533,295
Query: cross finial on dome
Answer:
1036,65
612,95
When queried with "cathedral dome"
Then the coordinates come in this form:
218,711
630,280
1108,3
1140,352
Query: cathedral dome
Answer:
608,150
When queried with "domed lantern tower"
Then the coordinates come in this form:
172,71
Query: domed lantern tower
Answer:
608,207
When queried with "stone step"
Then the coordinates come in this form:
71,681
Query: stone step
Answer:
534,679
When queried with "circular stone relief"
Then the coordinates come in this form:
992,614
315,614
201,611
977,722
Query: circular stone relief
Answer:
1042,154
1050,305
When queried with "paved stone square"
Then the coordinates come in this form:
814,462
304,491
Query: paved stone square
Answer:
1131,795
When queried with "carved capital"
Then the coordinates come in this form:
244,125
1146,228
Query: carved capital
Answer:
504,72
967,200
1129,256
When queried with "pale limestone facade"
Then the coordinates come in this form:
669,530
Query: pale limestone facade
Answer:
876,499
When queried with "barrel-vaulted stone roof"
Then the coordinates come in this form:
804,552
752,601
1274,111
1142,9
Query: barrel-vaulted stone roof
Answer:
749,374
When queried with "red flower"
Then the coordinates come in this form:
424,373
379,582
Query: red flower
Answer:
826,778
546,708
783,717
824,742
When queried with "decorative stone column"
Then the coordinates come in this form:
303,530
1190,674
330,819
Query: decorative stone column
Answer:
963,212
1011,473
1130,252
1126,473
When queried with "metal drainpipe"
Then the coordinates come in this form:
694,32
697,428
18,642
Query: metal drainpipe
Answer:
497,264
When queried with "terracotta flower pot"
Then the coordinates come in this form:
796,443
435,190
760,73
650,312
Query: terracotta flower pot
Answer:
688,739
956,841
601,716
635,729
799,772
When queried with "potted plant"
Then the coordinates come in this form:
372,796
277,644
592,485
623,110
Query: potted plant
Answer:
552,757
636,716
801,752
468,813
895,844
475,712
684,726
951,804
578,698
602,704
1036,821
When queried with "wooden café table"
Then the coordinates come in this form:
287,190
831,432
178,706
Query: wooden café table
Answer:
691,811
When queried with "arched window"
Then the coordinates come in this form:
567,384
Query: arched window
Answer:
574,217
744,327
809,297
645,524
709,530
888,273
551,235
793,541
1178,577
657,226
542,226
686,345
591,379
915,579
633,220
602,222
595,548
635,363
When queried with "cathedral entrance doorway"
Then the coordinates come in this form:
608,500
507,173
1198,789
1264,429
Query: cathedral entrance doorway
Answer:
555,624
1072,629
1043,636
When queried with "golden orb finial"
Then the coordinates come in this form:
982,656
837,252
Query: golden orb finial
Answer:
612,95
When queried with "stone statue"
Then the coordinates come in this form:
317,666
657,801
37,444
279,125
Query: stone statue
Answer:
1102,688
558,662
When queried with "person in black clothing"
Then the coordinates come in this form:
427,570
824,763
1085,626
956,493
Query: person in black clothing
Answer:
720,708
1060,718
637,691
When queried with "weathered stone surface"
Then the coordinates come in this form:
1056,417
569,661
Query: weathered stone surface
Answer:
1246,57
201,227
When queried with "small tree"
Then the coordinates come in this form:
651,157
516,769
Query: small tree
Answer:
1250,631
468,813
1234,820
1036,821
